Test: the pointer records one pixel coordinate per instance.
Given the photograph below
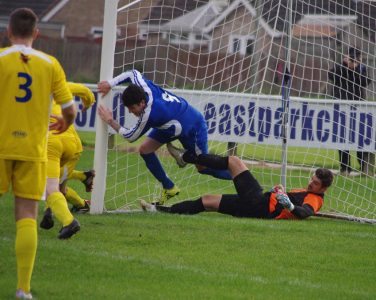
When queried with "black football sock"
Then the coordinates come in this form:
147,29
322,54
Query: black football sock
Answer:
189,207
165,209
212,161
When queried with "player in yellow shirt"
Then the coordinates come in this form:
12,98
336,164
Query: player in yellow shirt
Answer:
64,151
28,79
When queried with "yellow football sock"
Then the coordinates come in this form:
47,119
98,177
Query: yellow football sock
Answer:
26,249
56,201
74,198
79,175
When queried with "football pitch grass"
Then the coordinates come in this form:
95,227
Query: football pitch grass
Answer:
207,256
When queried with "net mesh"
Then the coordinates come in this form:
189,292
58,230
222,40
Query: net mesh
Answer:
228,58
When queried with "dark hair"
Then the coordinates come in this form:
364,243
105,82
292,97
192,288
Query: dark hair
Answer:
354,53
326,177
23,22
133,94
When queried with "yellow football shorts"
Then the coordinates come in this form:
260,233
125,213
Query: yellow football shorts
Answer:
28,178
63,155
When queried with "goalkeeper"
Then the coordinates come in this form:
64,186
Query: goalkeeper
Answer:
168,116
250,201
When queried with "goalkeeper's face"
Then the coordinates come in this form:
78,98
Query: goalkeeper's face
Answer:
315,186
137,109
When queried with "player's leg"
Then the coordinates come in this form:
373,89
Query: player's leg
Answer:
147,151
86,177
26,241
55,199
250,200
58,204
79,204
196,142
188,207
29,182
345,161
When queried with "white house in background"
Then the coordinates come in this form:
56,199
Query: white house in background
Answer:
210,27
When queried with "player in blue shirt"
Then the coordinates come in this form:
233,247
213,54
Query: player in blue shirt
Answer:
169,116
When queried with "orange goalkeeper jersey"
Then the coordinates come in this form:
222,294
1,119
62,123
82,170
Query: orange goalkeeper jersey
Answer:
298,197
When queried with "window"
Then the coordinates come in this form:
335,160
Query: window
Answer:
249,47
97,32
235,45
241,44
143,35
173,36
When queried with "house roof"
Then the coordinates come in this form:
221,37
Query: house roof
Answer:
40,7
196,19
172,9
322,25
275,12
233,7
204,18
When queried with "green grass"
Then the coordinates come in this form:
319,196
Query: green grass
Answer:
208,256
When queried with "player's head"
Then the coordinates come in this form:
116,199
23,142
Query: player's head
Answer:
354,53
320,181
22,24
134,99
353,57
326,177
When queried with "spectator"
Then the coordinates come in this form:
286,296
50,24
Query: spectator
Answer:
349,80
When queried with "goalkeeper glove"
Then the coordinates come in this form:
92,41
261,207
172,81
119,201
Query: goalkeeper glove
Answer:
277,189
285,201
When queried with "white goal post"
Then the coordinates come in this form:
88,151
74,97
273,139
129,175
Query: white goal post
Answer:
101,138
229,60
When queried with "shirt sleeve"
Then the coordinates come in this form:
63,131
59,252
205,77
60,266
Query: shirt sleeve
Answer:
315,201
132,134
86,95
60,89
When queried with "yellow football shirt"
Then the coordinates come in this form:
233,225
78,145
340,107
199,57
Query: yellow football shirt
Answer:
29,79
87,98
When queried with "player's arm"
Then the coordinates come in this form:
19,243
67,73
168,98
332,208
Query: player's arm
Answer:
62,96
364,79
86,95
105,86
132,76
302,212
131,134
106,116
67,118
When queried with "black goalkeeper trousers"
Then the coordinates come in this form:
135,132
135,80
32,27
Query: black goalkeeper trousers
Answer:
250,202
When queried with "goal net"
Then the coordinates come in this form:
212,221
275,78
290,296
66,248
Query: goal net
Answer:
263,74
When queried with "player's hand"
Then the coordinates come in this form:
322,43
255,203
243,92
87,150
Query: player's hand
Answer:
105,114
88,99
104,87
285,201
86,95
277,189
59,125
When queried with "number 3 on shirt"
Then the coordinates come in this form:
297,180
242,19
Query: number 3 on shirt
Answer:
25,87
